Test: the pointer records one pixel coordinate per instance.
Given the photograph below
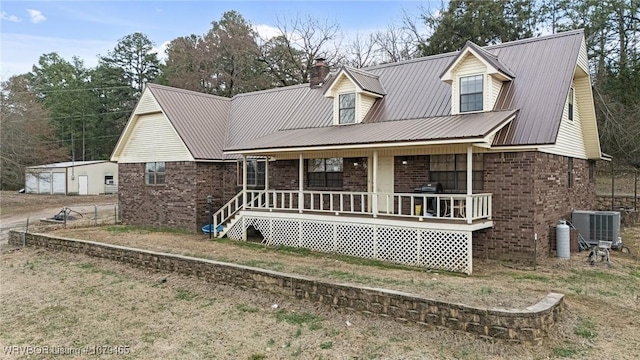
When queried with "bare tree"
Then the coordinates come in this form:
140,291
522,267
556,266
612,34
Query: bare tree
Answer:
361,51
301,40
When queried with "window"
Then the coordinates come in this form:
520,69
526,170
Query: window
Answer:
451,171
255,172
471,93
108,180
571,104
154,173
347,108
324,173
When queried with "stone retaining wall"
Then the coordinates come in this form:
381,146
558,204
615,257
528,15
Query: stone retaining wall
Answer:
528,325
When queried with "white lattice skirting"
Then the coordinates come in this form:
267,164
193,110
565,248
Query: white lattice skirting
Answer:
448,250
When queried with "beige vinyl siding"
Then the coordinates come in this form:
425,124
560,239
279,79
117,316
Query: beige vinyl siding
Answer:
470,65
363,103
495,86
587,113
570,140
583,60
147,104
344,85
399,151
153,138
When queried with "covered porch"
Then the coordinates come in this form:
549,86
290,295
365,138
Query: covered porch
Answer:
431,230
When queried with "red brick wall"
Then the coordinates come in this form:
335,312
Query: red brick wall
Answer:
410,175
555,200
172,204
530,195
218,180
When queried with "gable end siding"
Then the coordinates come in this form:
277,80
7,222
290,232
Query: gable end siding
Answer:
570,140
147,104
364,103
154,139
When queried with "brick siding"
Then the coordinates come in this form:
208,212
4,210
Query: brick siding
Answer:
530,195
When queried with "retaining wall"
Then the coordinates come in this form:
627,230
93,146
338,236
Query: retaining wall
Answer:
529,325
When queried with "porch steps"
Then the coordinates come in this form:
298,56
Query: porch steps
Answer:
228,225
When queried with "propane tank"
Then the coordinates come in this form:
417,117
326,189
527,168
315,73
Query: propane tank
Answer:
562,240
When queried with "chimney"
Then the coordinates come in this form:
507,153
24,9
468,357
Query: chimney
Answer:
318,73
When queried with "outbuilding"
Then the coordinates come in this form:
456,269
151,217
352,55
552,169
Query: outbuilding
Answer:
73,178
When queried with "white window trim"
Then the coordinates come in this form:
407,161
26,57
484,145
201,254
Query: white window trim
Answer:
484,93
336,107
239,171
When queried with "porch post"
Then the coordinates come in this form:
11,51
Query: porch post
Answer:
374,203
244,181
300,184
469,201
266,182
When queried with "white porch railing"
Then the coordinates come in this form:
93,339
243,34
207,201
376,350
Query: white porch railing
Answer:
421,206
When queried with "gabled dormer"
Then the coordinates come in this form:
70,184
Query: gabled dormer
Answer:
353,91
476,77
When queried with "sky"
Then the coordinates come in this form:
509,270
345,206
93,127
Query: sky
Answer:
87,29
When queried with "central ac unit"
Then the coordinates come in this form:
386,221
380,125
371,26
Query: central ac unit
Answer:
597,226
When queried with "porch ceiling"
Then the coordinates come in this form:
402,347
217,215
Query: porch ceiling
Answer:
464,128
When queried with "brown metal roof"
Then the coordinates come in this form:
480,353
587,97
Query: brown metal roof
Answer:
366,80
200,119
544,68
465,126
492,59
259,113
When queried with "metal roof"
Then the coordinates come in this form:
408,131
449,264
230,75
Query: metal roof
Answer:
67,164
467,126
414,93
262,112
365,80
200,119
490,58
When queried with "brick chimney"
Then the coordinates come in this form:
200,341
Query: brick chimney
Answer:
318,73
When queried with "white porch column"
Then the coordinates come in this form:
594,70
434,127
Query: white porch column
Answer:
374,202
244,181
300,184
266,182
469,202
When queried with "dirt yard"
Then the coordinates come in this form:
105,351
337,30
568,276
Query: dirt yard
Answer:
79,302
16,208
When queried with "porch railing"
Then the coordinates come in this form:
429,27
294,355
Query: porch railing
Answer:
437,206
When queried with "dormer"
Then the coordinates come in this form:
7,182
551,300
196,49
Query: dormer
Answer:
476,77
353,91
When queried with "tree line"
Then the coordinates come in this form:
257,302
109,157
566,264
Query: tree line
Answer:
63,110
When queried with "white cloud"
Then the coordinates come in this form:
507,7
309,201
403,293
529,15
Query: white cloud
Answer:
36,16
8,17
161,50
266,32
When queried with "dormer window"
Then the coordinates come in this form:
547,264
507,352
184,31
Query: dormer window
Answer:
471,93
570,114
347,110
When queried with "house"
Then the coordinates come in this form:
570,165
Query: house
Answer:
73,178
502,138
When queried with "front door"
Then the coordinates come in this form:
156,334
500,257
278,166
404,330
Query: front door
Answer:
385,184
83,185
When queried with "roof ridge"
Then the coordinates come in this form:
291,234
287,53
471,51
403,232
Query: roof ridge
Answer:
535,39
360,71
185,91
487,47
281,88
